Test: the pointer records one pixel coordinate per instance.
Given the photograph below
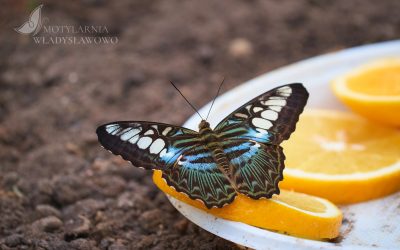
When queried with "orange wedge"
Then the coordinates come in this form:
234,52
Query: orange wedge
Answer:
292,213
372,90
342,157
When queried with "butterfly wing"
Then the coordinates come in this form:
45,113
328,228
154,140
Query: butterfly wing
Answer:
251,136
257,167
35,18
269,118
196,174
26,28
147,144
32,24
186,164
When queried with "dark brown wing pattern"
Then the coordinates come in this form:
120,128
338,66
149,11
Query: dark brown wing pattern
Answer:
147,144
269,118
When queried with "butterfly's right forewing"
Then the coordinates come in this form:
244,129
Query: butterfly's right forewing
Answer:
269,118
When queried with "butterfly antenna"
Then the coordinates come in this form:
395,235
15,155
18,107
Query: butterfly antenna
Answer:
212,104
186,100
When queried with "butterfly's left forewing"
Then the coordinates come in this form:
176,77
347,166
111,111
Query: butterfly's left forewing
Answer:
147,144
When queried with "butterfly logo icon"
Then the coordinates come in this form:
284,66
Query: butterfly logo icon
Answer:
33,25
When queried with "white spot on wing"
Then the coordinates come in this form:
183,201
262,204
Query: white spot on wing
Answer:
144,142
257,109
163,152
277,98
285,91
179,160
157,146
112,128
149,132
166,130
270,115
126,136
134,139
275,102
262,131
261,123
124,131
284,94
241,115
275,108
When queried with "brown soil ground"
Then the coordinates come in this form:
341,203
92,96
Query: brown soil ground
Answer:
58,188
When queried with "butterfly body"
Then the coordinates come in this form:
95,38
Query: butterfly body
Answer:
240,155
213,143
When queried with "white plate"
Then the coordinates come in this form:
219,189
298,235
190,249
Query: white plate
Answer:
369,225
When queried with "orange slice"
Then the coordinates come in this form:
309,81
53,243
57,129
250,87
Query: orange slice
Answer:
292,213
372,90
342,157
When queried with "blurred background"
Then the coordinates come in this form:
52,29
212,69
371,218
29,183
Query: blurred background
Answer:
58,188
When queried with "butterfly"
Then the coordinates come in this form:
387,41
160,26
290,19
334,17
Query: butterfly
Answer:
240,155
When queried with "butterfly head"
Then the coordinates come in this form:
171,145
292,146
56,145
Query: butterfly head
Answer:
204,125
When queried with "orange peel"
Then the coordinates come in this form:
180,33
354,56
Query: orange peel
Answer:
290,212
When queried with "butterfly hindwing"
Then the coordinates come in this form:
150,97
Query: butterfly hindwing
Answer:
269,118
147,144
196,174
257,167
